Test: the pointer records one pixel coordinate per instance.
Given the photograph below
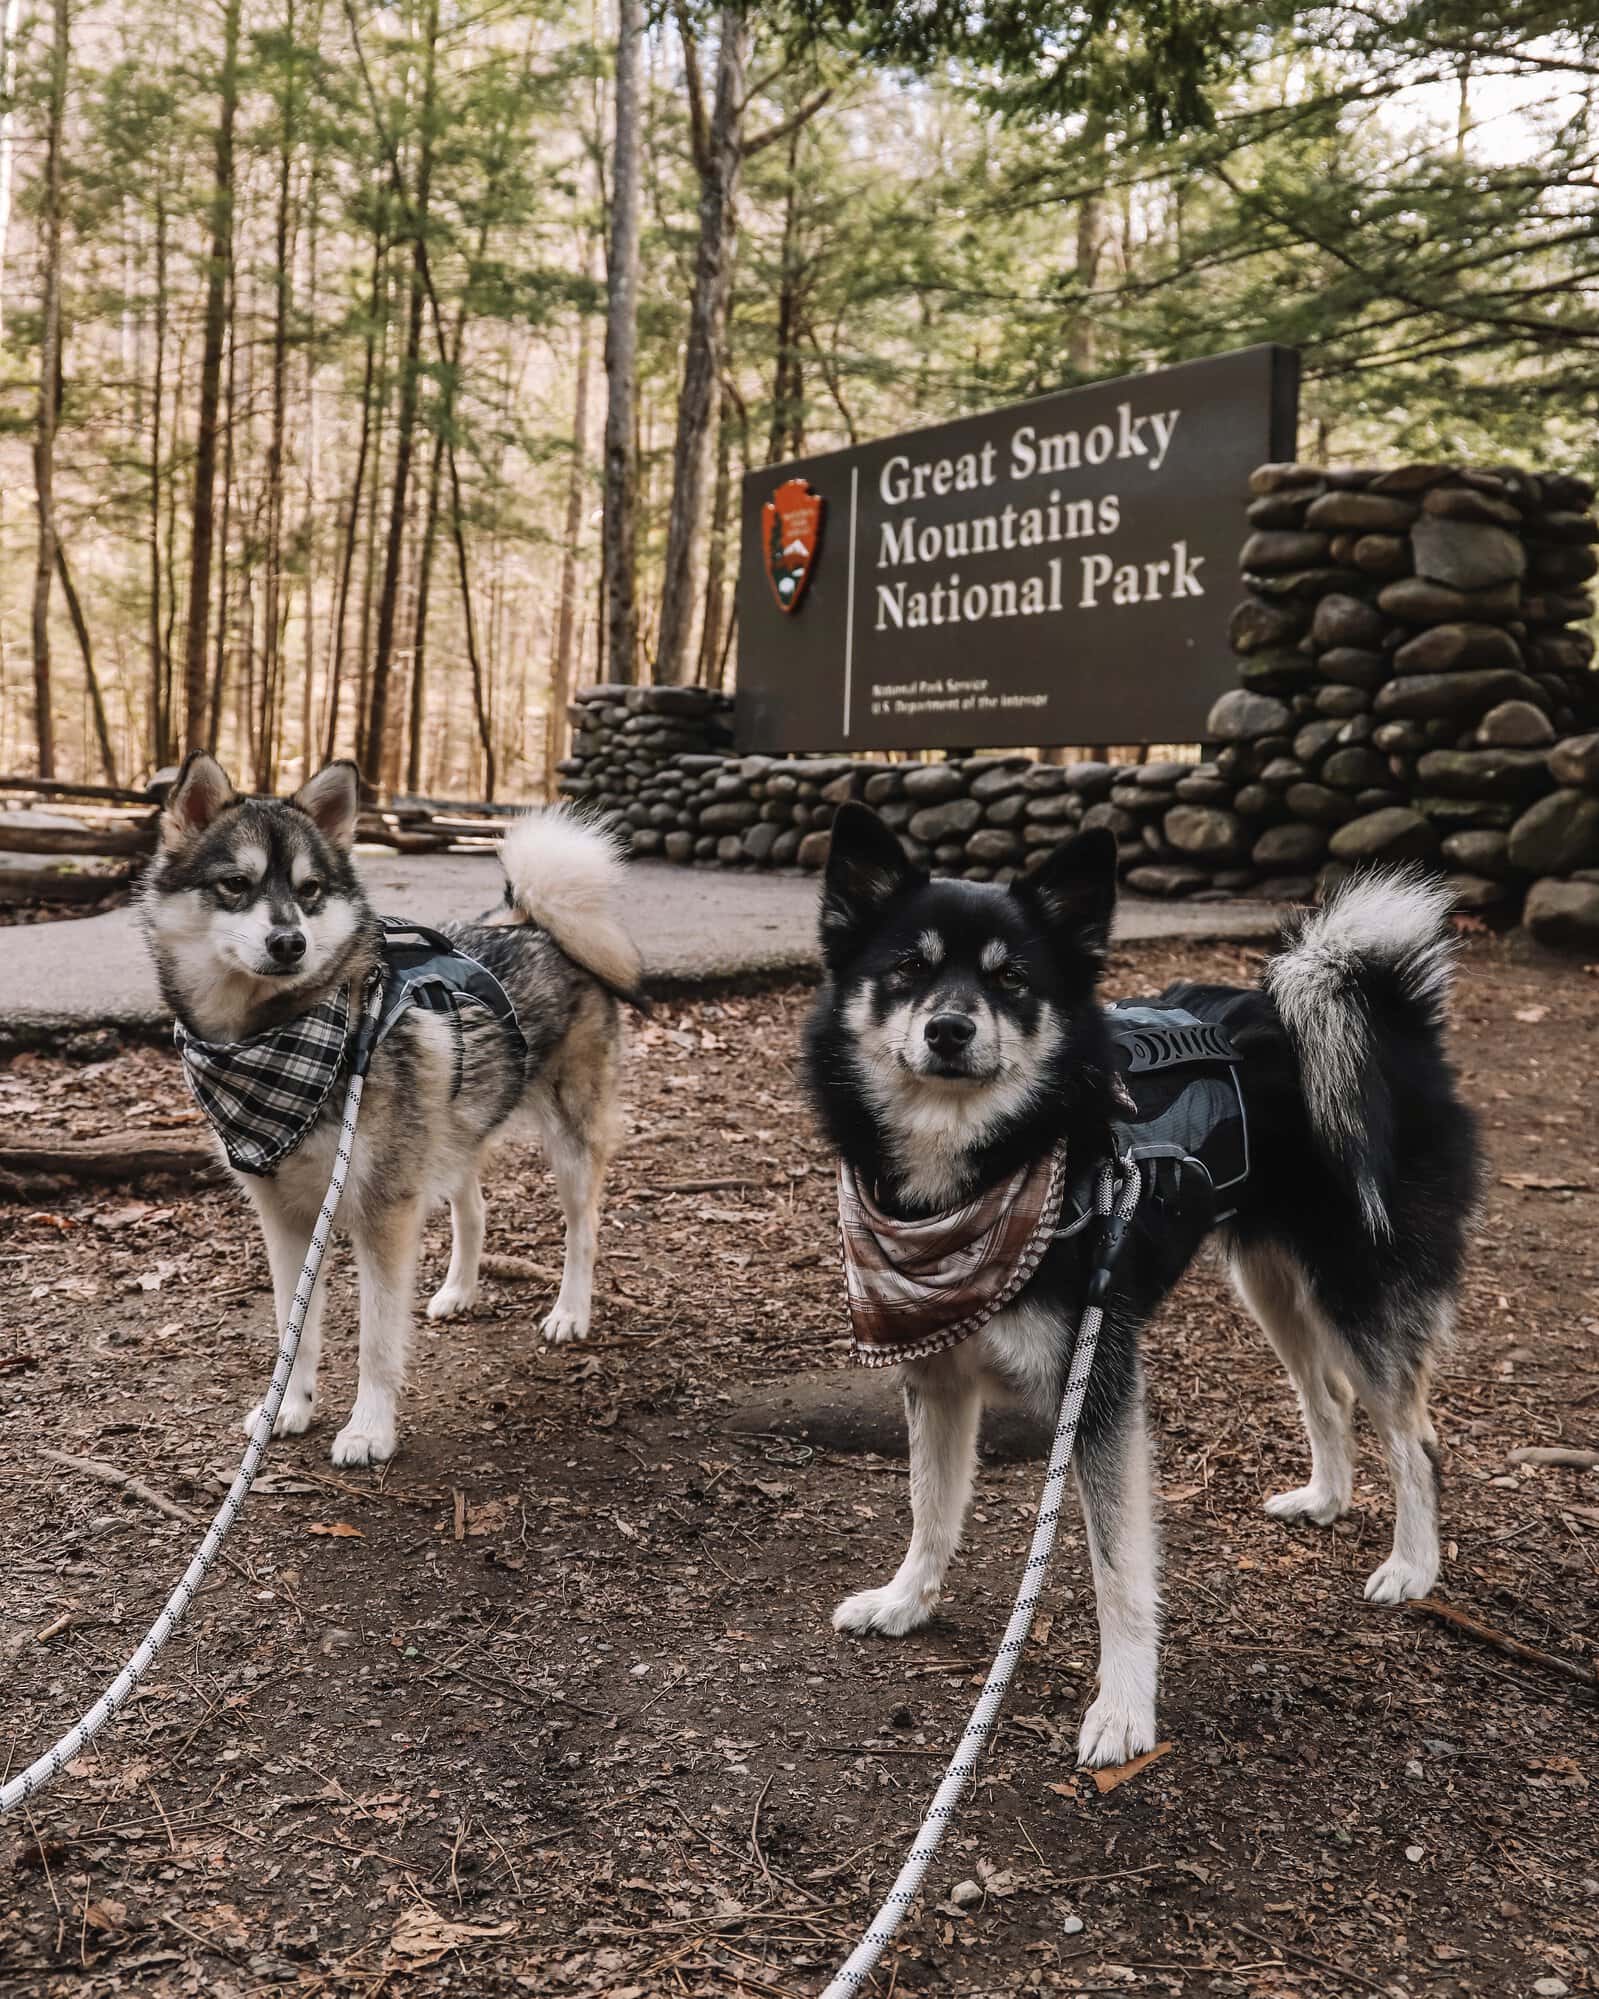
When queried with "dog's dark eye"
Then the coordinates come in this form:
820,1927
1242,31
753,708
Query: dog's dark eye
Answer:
234,884
912,965
307,892
1012,978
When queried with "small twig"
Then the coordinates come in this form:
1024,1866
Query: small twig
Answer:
755,1832
1556,1454
691,1187
1571,1669
110,1474
54,1628
161,1808
1308,1957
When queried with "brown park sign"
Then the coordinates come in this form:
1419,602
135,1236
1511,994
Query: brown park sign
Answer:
1061,571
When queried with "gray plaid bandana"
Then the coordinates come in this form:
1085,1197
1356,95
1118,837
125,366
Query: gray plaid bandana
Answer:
263,1095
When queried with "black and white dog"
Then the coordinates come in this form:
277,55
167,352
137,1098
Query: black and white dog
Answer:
959,1036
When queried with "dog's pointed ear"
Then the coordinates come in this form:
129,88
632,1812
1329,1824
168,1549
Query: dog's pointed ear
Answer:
333,800
866,868
1074,892
201,792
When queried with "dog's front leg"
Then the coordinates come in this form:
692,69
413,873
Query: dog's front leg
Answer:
1113,1481
288,1237
943,1401
385,1249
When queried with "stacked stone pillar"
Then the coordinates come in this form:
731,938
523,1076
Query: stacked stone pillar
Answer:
1410,649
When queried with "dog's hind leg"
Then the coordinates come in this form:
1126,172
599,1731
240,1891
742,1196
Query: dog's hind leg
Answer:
576,1114
1270,1285
458,1292
1114,1484
385,1248
1398,1411
288,1237
943,1401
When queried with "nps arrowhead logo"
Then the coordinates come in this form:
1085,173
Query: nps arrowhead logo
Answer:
791,532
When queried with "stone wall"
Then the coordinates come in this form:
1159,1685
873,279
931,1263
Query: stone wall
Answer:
1408,654
1414,684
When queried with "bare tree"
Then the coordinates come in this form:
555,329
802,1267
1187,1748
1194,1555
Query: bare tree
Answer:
566,615
44,445
720,149
205,447
370,751
619,533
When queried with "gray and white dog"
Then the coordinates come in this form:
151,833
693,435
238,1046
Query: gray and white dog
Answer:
255,916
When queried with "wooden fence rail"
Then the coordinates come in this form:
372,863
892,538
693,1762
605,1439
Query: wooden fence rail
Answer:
114,823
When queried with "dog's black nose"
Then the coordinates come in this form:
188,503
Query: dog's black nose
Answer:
948,1033
286,946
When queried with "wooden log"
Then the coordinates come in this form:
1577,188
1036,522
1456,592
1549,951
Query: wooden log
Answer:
50,787
19,885
131,838
122,1155
1572,1455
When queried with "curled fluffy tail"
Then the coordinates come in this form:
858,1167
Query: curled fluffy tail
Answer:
563,873
1358,981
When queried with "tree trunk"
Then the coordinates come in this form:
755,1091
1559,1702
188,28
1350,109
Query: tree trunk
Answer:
352,526
1090,248
205,446
312,470
619,533
160,746
716,555
785,367
219,671
480,695
566,617
102,730
10,19
282,291
443,439
370,751
702,353
44,447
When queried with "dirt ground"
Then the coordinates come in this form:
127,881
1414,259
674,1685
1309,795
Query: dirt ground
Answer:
551,1705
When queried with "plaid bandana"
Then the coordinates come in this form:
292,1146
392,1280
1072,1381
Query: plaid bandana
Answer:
916,1288
263,1095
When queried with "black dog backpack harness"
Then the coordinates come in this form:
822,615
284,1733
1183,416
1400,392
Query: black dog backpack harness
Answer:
263,1095
1184,1124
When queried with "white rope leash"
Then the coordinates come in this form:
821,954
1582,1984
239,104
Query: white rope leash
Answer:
963,1764
54,1760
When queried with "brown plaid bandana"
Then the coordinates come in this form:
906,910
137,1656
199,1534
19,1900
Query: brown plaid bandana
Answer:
916,1288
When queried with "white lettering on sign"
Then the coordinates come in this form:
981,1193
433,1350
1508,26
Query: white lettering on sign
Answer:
1140,582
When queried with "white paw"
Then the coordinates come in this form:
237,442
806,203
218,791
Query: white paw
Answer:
1306,1502
1112,1732
887,1611
1397,1581
564,1324
452,1301
294,1417
365,1440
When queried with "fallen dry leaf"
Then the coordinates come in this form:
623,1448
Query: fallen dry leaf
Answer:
1539,1183
1123,1773
424,1936
335,1530
1532,1014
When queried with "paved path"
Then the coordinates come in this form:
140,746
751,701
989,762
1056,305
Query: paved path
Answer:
692,925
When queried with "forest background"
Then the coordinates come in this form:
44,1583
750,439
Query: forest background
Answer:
371,376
